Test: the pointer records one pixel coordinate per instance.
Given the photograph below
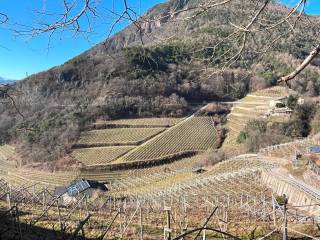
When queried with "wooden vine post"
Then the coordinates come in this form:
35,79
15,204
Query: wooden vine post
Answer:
140,220
167,229
274,211
9,197
285,219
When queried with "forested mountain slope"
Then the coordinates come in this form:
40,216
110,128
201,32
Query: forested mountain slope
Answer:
162,75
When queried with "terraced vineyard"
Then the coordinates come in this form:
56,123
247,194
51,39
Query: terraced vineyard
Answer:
20,177
117,136
99,155
50,180
24,176
231,177
244,161
145,122
288,150
45,177
194,134
184,165
237,120
112,139
253,106
6,151
235,185
191,135
277,91
103,175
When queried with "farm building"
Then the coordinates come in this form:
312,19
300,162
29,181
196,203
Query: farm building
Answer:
278,102
283,102
78,187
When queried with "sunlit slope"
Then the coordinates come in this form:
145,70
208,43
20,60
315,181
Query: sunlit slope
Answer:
99,155
191,135
140,122
110,140
233,176
6,151
23,176
117,136
253,106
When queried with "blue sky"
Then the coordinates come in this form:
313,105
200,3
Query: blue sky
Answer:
21,55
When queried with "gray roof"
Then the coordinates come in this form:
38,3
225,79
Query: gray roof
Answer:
82,185
77,187
315,149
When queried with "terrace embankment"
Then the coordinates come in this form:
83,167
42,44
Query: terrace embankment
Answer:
297,192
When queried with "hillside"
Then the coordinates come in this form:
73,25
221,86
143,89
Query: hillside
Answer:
245,190
121,78
254,106
146,144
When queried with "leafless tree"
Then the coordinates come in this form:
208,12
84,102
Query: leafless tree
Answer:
7,94
314,53
3,18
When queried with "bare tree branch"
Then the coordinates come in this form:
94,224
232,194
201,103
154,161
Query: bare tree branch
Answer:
3,18
301,67
5,93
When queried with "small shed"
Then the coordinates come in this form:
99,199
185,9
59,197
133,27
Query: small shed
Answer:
314,149
83,185
88,187
280,101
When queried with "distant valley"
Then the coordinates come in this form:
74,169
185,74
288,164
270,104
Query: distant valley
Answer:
5,80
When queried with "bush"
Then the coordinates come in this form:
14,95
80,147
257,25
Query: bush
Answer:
257,125
6,123
292,102
214,157
242,137
299,124
258,134
281,200
253,129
